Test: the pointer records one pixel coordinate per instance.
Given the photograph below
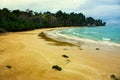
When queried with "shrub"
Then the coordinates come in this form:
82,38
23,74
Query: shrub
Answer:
2,30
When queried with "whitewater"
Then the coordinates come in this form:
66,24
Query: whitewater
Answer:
105,35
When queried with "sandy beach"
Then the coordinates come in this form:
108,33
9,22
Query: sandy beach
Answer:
27,56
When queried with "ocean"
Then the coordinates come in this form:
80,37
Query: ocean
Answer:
109,35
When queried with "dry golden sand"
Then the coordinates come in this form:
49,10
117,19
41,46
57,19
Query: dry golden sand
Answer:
32,57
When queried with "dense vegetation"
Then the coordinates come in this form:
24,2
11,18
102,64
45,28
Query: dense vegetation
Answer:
17,20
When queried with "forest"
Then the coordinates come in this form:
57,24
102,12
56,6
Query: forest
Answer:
17,20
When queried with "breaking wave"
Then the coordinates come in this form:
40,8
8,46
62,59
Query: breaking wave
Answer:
56,35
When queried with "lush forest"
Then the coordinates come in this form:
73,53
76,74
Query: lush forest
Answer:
17,20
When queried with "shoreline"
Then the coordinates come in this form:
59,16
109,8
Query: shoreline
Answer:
54,34
31,55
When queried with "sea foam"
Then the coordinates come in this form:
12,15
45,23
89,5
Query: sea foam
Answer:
56,35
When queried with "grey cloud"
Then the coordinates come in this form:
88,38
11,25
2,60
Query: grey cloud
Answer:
104,9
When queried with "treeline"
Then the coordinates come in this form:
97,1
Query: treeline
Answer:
17,20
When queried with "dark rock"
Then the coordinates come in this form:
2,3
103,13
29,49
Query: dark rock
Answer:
65,56
68,60
65,49
113,77
9,67
56,67
97,49
81,49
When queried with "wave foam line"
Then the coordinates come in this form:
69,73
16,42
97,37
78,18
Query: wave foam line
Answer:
75,40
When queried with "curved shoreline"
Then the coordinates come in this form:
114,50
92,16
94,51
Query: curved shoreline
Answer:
54,34
29,54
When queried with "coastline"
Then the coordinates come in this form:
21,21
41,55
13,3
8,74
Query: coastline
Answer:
54,34
32,58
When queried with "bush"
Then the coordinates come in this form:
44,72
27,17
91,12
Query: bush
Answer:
56,67
2,30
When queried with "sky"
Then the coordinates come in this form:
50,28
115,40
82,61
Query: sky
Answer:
107,10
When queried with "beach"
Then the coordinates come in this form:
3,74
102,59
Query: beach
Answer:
27,55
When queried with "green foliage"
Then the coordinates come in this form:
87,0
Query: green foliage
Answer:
17,20
2,30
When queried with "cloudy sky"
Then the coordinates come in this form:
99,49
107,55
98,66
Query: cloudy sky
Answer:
108,10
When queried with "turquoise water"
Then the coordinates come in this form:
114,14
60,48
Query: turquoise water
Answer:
108,34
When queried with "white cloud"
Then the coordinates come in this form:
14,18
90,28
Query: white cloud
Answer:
45,5
103,9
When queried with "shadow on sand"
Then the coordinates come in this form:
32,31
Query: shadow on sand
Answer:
54,42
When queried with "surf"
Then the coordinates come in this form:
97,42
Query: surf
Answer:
87,35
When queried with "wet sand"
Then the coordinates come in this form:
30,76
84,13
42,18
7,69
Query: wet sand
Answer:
28,55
